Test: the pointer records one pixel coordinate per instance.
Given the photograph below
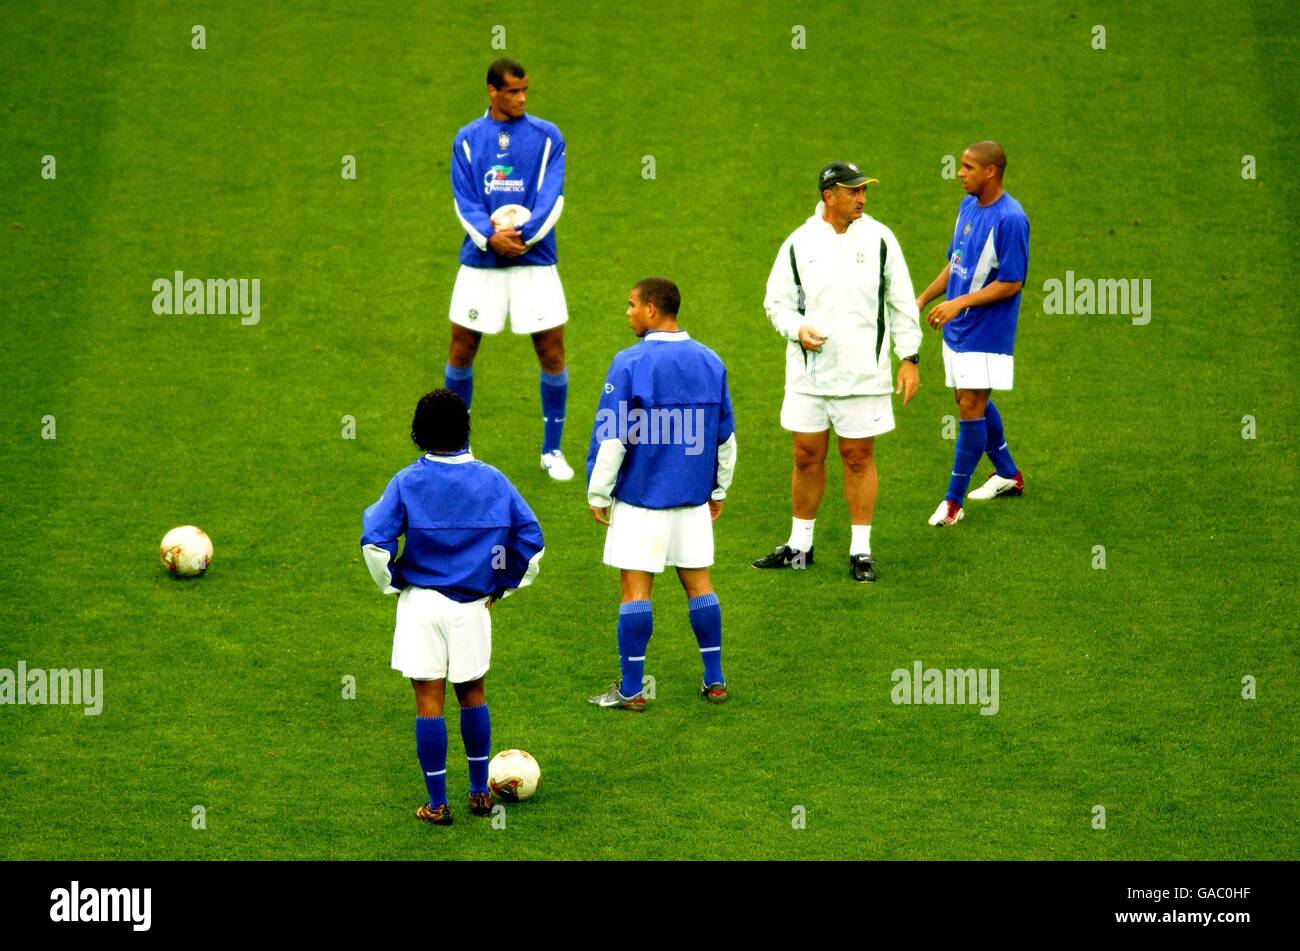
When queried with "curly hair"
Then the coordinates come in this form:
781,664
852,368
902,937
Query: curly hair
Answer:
441,422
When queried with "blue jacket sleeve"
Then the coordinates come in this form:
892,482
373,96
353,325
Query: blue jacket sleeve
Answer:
525,548
550,193
382,524
607,424
471,208
726,422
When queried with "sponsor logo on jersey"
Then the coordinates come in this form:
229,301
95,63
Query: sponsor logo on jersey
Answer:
498,179
957,266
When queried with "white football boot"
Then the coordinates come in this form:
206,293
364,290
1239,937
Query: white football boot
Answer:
948,513
996,485
555,466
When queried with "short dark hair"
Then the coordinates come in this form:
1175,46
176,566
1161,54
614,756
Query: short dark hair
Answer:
987,152
661,292
497,72
441,422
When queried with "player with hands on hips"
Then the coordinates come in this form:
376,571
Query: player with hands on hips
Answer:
471,540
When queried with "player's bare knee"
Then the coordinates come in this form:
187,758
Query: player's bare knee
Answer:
972,403
428,697
809,457
471,693
549,345
695,581
464,347
856,461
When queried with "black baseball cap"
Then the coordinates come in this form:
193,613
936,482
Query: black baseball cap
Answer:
843,173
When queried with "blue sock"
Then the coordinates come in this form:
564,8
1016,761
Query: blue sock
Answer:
431,748
460,381
972,437
555,394
476,731
635,624
706,622
999,455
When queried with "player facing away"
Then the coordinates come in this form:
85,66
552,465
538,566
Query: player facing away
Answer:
508,158
663,452
988,258
471,540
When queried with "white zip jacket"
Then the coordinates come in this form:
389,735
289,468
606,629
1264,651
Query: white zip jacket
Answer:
831,282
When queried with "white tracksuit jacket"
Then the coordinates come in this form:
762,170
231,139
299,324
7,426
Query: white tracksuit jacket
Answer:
839,275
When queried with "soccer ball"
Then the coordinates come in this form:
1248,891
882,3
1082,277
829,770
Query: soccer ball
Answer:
513,775
186,551
508,217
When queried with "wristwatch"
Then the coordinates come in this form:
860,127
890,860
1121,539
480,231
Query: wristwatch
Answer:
913,359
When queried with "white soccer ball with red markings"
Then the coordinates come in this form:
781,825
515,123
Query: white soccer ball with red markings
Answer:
513,775
186,551
508,217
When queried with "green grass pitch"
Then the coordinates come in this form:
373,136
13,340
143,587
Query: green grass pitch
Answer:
1119,687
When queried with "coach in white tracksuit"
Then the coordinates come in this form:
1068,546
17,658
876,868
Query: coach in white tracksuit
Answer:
840,293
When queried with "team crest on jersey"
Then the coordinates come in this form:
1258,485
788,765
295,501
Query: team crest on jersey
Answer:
473,314
503,141
862,258
966,230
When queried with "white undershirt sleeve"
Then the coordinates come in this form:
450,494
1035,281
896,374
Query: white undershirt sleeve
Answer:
726,467
609,459
377,562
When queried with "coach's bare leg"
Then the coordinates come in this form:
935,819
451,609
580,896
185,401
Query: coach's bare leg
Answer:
464,346
549,345
971,403
636,585
695,581
470,693
808,481
860,480
429,695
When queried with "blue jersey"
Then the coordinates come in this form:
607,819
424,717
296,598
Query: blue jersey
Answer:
989,244
469,533
665,402
519,162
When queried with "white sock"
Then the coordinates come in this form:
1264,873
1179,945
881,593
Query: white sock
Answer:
801,533
860,542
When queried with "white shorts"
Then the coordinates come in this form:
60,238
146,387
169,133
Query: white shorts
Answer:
648,539
978,371
437,638
854,417
532,296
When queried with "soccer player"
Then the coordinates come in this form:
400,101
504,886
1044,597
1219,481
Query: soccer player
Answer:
470,541
663,452
509,158
839,292
987,261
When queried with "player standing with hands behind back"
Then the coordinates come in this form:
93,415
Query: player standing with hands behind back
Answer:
988,258
507,178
